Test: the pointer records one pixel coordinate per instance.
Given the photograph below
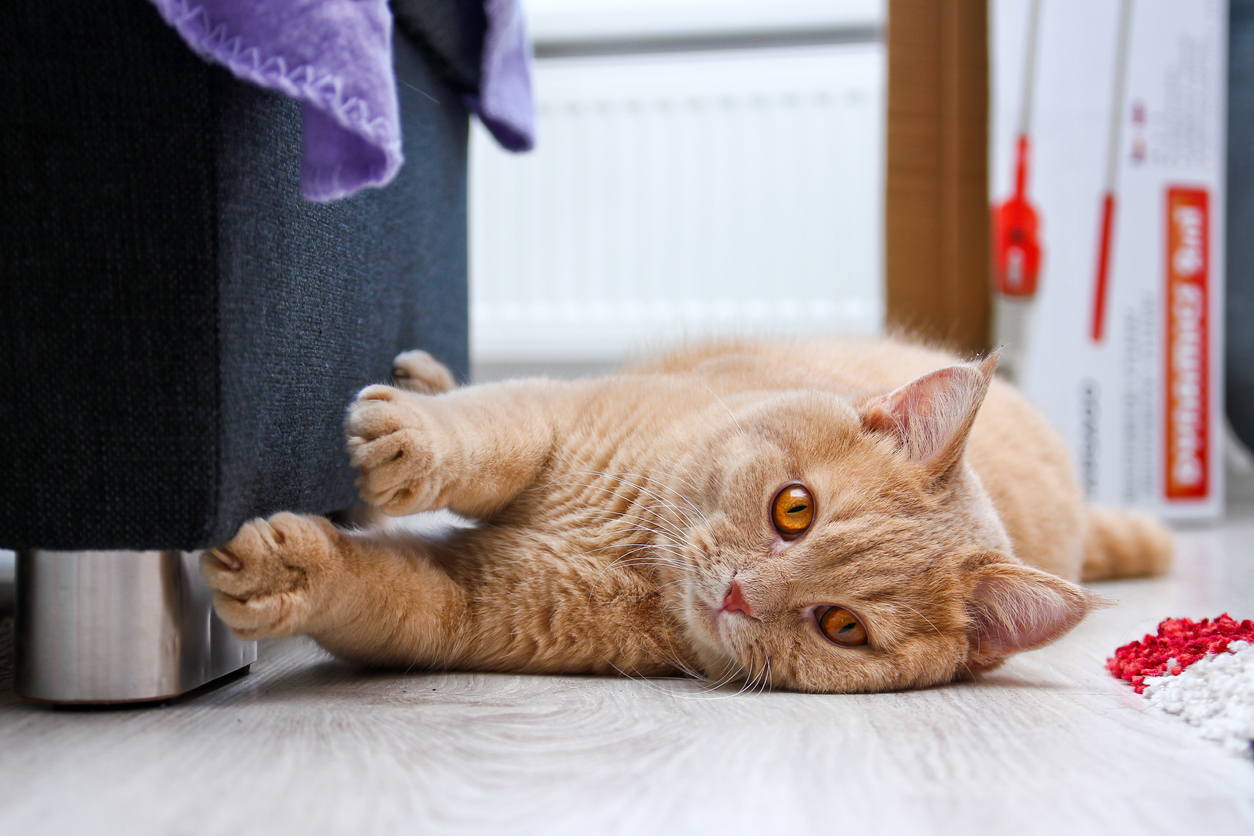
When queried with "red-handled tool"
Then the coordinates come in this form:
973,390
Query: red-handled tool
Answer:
1106,233
1016,242
1016,234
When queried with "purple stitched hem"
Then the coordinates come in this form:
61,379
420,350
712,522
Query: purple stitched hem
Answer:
340,52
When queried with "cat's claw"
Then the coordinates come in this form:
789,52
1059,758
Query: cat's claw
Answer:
266,580
390,441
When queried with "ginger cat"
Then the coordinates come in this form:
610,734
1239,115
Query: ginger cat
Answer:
825,516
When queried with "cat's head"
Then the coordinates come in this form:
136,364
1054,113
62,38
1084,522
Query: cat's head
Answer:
848,547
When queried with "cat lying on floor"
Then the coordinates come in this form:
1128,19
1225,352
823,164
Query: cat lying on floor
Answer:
826,516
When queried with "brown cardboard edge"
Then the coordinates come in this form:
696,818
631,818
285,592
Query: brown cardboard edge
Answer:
936,229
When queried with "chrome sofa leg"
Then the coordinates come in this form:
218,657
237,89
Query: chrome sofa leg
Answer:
118,626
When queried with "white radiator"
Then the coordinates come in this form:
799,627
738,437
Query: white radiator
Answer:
681,195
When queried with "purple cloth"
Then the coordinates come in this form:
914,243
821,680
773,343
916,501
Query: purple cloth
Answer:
505,104
335,56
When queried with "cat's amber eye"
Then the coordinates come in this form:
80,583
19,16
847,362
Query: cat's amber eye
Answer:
841,626
792,511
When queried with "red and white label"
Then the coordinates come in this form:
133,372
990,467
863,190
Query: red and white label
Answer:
1188,345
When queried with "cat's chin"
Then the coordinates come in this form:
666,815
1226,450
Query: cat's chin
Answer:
702,623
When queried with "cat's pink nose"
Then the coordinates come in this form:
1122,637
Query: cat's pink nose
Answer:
735,601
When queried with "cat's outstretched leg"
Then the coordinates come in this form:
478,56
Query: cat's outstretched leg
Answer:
467,599
471,450
359,597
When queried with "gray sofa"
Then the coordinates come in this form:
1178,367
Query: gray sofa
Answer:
182,331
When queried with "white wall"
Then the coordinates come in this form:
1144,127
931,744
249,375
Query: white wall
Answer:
702,186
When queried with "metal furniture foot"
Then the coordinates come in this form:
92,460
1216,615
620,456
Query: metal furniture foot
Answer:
118,626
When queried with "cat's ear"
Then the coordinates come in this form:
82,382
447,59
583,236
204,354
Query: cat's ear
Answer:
931,416
1016,608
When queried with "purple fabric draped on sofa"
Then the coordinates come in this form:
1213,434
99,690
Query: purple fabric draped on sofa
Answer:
335,56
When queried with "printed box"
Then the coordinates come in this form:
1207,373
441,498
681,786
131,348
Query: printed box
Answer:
1107,140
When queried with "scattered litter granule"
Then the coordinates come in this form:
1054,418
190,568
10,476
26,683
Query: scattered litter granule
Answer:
1216,694
1202,671
1180,642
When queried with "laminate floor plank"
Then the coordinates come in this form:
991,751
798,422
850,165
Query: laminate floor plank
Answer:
1051,743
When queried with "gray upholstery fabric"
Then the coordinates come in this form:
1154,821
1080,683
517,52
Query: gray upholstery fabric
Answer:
1239,316
449,35
182,331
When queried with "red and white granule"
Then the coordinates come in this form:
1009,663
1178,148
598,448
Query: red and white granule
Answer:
1216,694
1202,671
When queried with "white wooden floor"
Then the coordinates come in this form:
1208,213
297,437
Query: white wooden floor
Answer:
303,745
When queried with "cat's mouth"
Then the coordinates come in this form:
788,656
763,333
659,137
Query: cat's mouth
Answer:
717,610
724,622
732,609
734,603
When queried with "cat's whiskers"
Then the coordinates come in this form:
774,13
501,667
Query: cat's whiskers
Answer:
669,585
659,526
673,476
670,503
709,685
680,664
733,673
724,405
750,684
636,525
624,480
634,546
732,670
751,673
644,562
672,554
646,559
675,530
647,681
663,548
758,678
690,676
900,602
744,685
688,483
630,547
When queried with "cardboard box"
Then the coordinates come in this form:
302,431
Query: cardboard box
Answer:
1107,168
936,227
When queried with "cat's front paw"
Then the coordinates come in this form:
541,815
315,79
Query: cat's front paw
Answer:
418,371
269,579
393,442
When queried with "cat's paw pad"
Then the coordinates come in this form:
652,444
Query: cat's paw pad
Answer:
420,372
390,440
266,579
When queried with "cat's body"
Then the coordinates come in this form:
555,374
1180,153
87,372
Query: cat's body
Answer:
828,516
